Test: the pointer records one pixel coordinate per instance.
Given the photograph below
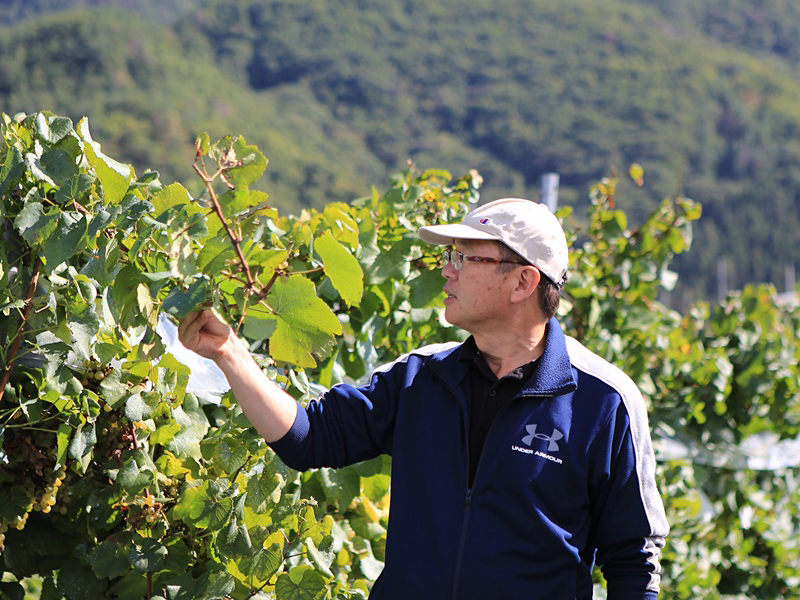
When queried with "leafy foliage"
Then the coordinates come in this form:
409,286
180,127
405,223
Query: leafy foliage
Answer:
14,11
156,493
574,87
714,379
118,482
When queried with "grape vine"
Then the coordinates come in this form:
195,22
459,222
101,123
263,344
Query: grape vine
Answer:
121,480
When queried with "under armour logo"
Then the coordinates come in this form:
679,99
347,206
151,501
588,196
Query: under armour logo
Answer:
552,447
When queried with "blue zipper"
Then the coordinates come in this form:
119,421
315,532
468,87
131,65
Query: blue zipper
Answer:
468,497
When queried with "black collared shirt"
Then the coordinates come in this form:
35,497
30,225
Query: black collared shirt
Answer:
488,395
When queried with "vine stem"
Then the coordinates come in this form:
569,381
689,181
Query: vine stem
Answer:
208,181
265,290
12,353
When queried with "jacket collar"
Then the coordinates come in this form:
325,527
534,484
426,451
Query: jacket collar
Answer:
553,375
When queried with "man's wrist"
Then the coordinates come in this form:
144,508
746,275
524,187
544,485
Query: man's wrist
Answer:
233,354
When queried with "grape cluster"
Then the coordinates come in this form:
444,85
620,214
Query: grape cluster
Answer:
40,500
93,373
151,509
46,497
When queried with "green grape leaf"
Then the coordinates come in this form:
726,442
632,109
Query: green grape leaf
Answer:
33,224
68,238
260,490
392,264
59,165
341,267
306,325
266,561
260,329
202,506
236,539
52,346
82,444
62,443
194,426
83,327
130,585
13,169
74,189
370,566
321,557
132,479
192,501
78,582
147,306
14,501
136,408
179,557
214,254
203,143
114,176
109,559
174,195
113,389
251,163
164,434
130,210
53,129
315,530
301,583
343,225
227,454
240,200
340,485
149,556
173,377
217,584
180,303
54,166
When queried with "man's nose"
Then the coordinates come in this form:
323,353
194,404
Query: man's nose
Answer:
449,271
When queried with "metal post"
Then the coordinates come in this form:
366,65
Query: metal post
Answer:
789,279
550,191
722,278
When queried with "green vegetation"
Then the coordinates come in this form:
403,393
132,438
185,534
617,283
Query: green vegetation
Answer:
13,11
704,95
117,482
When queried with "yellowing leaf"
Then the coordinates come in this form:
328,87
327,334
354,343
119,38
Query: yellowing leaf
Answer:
306,326
173,195
342,224
114,175
637,173
342,268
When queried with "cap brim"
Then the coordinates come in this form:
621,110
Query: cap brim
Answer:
446,235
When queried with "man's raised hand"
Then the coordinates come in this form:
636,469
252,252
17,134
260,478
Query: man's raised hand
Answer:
205,333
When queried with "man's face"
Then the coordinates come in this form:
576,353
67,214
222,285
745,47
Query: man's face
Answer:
477,294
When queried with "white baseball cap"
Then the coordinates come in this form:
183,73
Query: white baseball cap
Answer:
528,228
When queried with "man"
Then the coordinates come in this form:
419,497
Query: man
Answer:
519,457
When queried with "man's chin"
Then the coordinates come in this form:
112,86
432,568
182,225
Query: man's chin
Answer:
451,317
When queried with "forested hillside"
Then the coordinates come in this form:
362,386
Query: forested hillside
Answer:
705,97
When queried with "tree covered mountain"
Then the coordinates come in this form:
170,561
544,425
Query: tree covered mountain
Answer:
705,96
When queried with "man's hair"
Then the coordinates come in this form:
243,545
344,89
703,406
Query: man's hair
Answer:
548,292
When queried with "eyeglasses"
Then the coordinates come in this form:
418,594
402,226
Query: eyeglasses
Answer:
456,258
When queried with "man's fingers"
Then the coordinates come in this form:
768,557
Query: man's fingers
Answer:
189,328
186,321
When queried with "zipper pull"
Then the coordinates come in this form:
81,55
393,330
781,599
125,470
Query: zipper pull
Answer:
468,499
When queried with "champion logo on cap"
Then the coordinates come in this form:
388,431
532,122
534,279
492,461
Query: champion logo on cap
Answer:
484,221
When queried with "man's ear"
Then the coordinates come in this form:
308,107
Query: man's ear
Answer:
527,279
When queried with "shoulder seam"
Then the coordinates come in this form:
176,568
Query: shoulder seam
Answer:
594,365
